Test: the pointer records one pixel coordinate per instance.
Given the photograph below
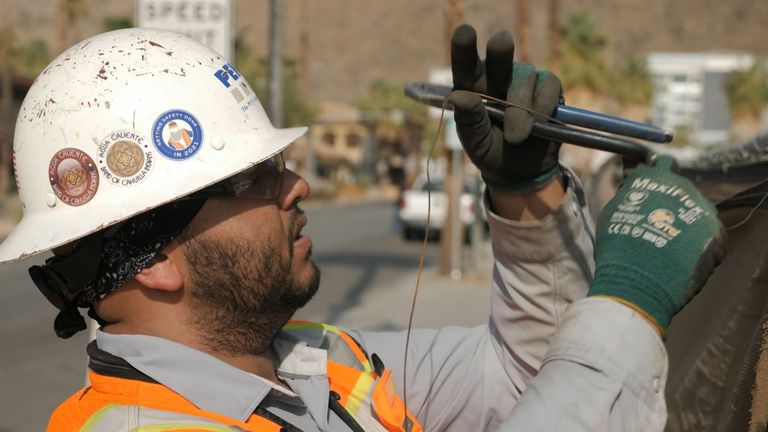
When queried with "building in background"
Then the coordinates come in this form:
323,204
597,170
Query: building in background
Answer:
689,95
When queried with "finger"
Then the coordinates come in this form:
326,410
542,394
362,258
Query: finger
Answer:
465,64
517,121
500,55
472,121
547,95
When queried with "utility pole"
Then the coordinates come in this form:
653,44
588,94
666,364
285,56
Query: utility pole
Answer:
522,42
310,163
304,57
553,24
275,78
454,14
451,238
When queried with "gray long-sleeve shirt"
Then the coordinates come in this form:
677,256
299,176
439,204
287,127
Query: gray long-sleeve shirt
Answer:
604,370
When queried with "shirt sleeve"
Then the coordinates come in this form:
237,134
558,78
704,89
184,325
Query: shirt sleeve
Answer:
461,379
597,377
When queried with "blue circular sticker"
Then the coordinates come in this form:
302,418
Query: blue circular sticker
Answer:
177,134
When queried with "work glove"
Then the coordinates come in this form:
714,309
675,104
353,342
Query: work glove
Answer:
658,240
508,157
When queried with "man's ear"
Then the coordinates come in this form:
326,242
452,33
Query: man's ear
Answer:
162,274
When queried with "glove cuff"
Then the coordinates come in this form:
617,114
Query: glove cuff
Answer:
523,186
634,287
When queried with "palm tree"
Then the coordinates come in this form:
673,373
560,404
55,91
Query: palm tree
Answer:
70,13
747,92
632,88
584,74
632,84
581,62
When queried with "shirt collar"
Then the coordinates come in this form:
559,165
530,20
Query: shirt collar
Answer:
208,382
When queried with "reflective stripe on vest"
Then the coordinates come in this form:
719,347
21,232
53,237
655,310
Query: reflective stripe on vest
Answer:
364,391
119,404
367,394
112,417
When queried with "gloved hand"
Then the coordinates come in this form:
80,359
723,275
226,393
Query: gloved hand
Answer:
658,240
508,158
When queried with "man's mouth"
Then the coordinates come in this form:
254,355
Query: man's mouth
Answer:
301,241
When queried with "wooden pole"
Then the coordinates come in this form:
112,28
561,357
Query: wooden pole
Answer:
522,42
553,25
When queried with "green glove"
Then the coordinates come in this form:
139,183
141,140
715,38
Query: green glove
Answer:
658,240
508,158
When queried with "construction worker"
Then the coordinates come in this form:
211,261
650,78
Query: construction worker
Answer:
193,261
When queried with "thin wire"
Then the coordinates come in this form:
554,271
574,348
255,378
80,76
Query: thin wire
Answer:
529,110
421,261
751,212
426,230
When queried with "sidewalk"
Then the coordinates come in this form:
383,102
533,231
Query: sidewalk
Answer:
441,301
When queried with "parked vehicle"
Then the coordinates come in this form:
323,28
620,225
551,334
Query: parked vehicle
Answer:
413,206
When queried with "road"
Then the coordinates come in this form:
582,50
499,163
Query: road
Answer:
357,247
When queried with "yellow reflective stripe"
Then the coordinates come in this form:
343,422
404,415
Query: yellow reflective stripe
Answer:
359,393
310,325
96,417
306,325
182,427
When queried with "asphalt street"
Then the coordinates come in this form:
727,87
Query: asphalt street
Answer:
358,247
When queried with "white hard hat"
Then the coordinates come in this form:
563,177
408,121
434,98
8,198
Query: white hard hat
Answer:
124,122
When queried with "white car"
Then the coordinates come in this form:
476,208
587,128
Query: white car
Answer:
413,206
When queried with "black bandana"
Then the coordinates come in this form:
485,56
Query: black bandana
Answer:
134,245
108,259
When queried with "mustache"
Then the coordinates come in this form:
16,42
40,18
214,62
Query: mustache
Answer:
297,222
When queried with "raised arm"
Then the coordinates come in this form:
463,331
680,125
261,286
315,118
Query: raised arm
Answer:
469,379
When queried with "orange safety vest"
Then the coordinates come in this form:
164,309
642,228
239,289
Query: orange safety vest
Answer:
361,389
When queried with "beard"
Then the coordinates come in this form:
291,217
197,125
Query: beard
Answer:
243,293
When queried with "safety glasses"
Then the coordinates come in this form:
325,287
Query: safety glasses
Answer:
262,181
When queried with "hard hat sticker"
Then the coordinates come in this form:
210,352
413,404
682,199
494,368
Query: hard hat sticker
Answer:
229,77
73,176
177,134
125,158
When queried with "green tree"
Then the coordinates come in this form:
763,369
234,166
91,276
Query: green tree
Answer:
70,14
31,58
116,23
581,61
747,91
387,97
297,111
632,83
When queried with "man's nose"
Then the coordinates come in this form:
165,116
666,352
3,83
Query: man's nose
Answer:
295,189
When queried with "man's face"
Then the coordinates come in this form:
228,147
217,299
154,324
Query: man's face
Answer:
249,266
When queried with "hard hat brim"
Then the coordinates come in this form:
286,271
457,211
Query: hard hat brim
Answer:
37,233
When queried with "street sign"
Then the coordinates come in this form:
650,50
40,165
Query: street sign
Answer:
209,22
